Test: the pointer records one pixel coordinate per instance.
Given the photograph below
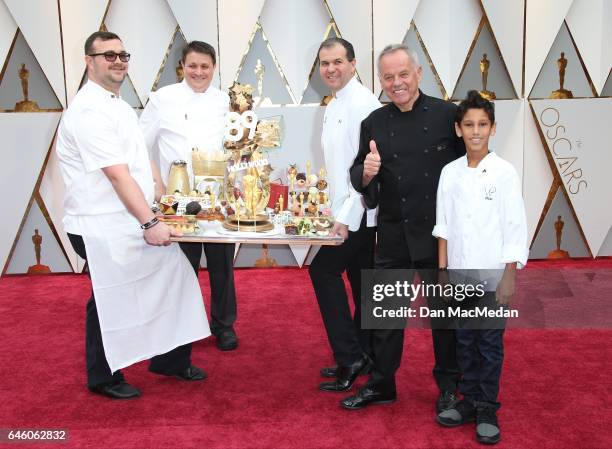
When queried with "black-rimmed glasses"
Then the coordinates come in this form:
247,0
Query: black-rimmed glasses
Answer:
111,56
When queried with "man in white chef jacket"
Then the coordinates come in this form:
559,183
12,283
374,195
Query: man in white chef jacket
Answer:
181,117
351,103
146,302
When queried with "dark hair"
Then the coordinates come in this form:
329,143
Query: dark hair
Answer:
102,35
330,42
475,101
199,47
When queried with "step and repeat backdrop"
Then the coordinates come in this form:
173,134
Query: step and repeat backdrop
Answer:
548,63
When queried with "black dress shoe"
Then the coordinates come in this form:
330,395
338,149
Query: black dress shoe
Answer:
346,376
116,390
447,399
367,395
227,340
331,371
192,373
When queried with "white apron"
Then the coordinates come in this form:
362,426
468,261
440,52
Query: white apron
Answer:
148,298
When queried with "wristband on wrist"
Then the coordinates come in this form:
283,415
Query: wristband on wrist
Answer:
149,224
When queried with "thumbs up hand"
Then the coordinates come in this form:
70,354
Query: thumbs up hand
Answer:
371,165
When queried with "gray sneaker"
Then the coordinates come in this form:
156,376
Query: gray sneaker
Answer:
487,428
463,412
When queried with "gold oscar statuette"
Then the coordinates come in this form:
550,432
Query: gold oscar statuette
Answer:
26,105
558,253
265,261
260,99
561,93
38,268
484,71
180,74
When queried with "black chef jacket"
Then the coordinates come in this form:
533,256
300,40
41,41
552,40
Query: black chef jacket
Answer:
413,147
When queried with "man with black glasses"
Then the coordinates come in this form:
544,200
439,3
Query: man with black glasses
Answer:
146,302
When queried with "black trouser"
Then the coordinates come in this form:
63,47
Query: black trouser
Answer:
480,354
346,338
388,344
98,371
220,266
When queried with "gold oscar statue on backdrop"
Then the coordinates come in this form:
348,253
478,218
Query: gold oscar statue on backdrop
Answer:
484,71
26,105
561,92
180,74
265,261
38,268
558,253
259,71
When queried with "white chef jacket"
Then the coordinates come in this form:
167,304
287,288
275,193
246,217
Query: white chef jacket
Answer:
480,212
340,141
84,150
148,298
177,119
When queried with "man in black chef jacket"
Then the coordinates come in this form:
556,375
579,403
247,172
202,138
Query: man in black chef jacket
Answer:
403,147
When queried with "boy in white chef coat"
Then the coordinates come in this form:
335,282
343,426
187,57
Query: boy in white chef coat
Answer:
480,224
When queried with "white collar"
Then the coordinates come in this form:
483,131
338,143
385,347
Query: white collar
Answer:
192,92
100,89
345,91
484,163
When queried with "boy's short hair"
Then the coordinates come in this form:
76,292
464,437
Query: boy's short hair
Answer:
199,47
475,101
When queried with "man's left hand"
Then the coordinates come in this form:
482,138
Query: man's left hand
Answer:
339,229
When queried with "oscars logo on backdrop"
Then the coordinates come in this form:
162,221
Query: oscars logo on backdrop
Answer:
562,150
38,268
558,253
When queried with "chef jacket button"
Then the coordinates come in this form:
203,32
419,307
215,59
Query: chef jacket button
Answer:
426,197
469,216
425,128
426,217
425,108
390,115
426,174
392,134
399,178
395,155
405,220
403,200
426,150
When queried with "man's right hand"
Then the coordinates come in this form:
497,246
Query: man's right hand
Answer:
159,235
371,165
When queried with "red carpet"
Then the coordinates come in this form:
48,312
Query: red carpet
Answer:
555,387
